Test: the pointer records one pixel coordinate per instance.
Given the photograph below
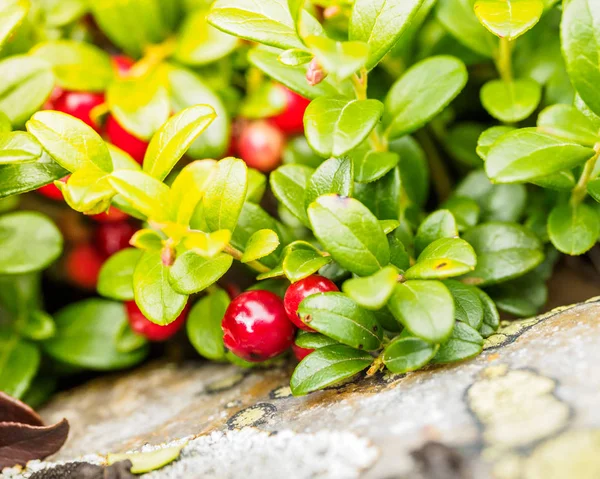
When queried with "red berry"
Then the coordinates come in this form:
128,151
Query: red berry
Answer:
125,140
83,266
54,95
113,237
50,191
122,64
151,331
79,104
301,353
113,215
260,145
296,293
256,327
290,120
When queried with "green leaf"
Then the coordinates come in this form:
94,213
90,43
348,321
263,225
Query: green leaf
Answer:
261,243
511,101
26,84
288,184
504,251
269,99
148,460
374,165
523,297
408,354
414,171
444,258
464,343
23,177
467,303
461,142
489,137
154,295
257,185
60,13
334,175
295,57
509,18
19,229
18,147
308,340
19,363
300,263
146,194
339,317
380,23
339,59
268,22
389,225
38,326
568,123
87,190
439,224
140,104
335,125
491,318
5,126
527,154
77,66
173,139
398,254
563,180
579,43
425,308
465,210
225,195
186,90
204,325
188,188
573,229
12,13
382,197
69,141
207,245
198,43
147,239
372,292
87,334
326,367
116,276
350,233
422,92
593,188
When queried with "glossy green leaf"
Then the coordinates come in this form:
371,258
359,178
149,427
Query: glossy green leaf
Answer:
511,101
382,197
444,258
414,171
173,139
527,154
326,367
147,239
302,262
461,142
207,245
60,13
77,66
593,188
335,175
148,460
339,59
504,251
568,123
574,229
561,181
69,141
23,177
467,303
425,308
408,354
225,195
524,297
350,233
295,57
289,183
204,325
304,339
464,343
38,326
489,137
12,13
26,84
18,147
188,188
260,244
439,224
422,92
148,195
389,225
398,255
335,125
28,228
339,317
372,292
87,334
153,292
380,23
491,317
116,276
5,126
374,165
87,190
19,363
509,18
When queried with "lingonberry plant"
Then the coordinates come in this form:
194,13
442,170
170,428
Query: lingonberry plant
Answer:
345,113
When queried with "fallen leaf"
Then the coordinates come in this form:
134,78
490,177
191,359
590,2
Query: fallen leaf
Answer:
13,410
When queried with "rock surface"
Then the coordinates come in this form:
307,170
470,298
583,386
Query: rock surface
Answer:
526,408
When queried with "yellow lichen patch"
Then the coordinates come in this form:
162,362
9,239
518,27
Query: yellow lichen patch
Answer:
516,408
251,416
495,340
226,383
281,392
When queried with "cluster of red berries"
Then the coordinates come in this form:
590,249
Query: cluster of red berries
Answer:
259,325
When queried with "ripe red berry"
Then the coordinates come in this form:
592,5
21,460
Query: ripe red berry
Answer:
83,266
290,120
260,145
50,191
301,353
296,293
256,327
54,95
79,104
151,331
113,215
125,140
113,237
122,64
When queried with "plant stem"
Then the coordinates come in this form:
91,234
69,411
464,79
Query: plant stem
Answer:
376,366
439,175
503,61
154,55
580,190
255,265
359,82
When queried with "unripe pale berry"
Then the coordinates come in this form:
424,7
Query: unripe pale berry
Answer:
261,145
